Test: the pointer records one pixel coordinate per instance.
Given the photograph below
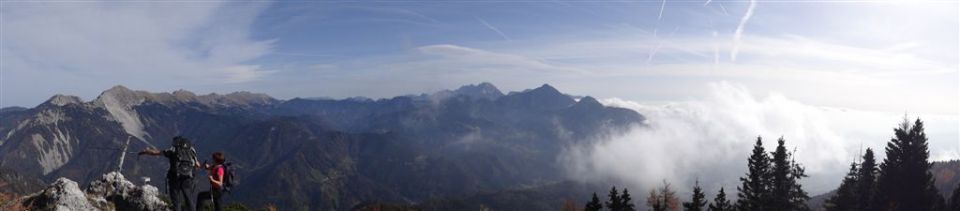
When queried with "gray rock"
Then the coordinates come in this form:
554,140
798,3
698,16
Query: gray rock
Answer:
111,192
64,194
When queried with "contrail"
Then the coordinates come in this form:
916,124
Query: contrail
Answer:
724,9
706,3
739,33
491,27
662,5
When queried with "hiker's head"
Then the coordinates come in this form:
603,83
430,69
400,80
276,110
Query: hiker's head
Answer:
218,158
179,141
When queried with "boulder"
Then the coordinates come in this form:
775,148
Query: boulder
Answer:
63,194
111,192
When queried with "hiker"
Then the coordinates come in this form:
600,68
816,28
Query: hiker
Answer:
183,162
216,175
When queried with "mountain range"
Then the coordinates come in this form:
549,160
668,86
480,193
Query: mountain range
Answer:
317,153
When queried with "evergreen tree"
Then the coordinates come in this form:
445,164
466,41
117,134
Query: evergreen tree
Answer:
594,204
866,181
904,182
753,193
798,197
955,199
614,203
846,196
720,203
781,183
626,201
697,201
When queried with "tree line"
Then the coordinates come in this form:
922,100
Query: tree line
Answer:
772,182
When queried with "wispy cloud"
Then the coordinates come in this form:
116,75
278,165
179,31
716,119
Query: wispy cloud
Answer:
492,28
738,34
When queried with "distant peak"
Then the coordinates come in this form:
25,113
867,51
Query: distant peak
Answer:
589,99
62,100
589,102
546,88
484,90
118,88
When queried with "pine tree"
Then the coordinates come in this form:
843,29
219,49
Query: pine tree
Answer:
697,201
955,199
798,197
781,182
845,198
626,201
904,182
866,181
614,203
720,203
594,204
753,193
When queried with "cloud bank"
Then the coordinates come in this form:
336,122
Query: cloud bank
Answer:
710,139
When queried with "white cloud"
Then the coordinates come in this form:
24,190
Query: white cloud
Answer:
710,139
150,45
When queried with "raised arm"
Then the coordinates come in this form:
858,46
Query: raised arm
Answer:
150,151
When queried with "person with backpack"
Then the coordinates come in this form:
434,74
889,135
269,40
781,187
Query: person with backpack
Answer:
217,178
183,162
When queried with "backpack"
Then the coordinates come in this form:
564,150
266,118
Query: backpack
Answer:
186,158
229,179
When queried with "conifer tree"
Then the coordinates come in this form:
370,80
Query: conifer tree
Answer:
866,181
594,204
753,192
614,203
781,183
904,182
626,202
955,199
720,203
846,196
798,197
697,201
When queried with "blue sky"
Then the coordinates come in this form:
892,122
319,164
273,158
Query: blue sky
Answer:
850,54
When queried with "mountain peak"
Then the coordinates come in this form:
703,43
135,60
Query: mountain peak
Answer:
545,97
121,95
484,90
62,100
546,89
118,89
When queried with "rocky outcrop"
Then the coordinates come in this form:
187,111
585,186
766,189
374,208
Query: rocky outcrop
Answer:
111,192
64,194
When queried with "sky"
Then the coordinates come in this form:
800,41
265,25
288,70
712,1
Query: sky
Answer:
846,64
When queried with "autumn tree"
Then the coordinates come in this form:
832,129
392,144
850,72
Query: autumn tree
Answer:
663,199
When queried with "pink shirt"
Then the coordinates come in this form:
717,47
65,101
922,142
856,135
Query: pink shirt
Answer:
217,173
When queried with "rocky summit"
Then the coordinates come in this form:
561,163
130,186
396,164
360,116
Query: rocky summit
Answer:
111,192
